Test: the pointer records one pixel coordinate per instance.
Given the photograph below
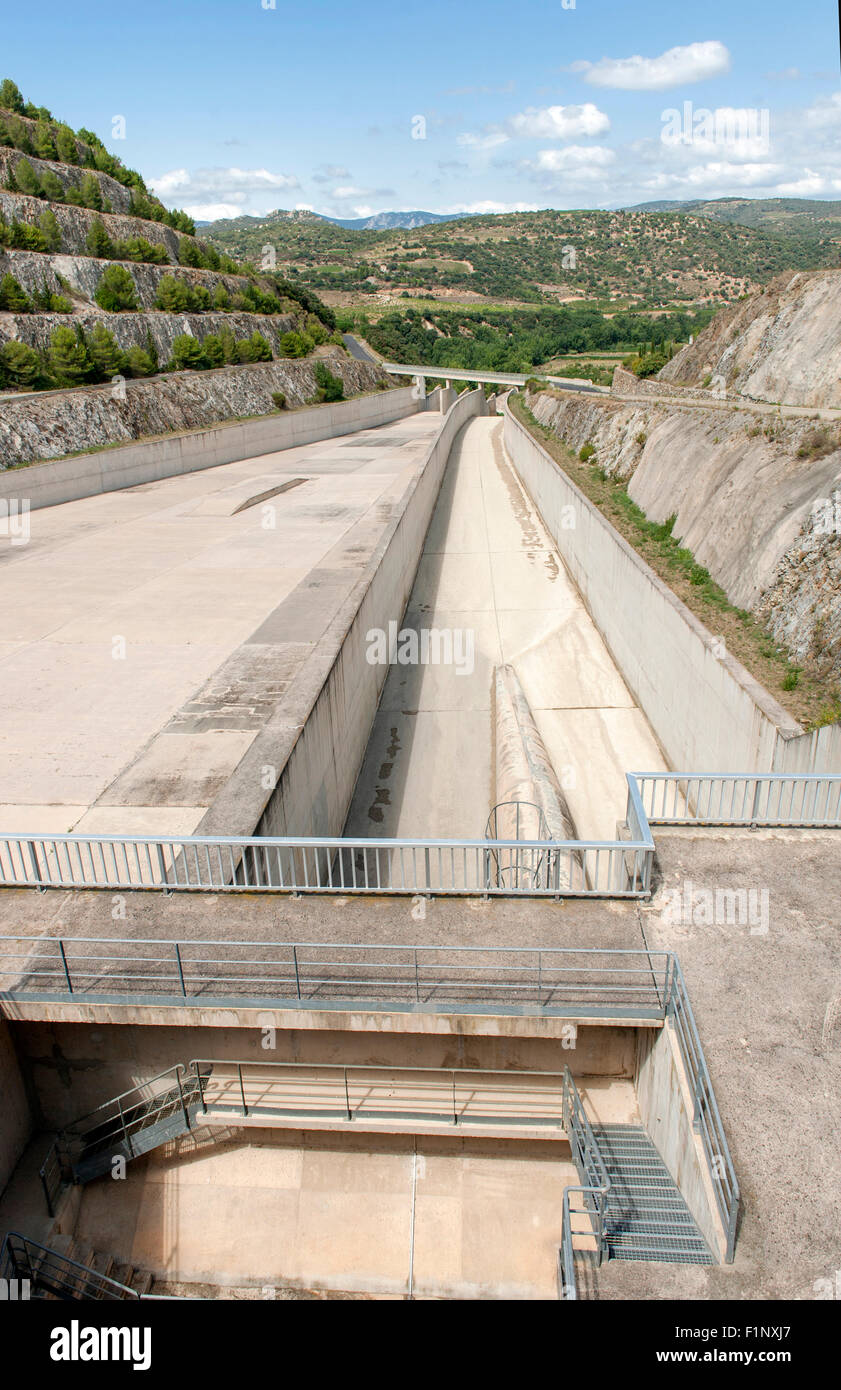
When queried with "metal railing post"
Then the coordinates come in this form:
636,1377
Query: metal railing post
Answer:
126,1135
347,1096
417,981
455,1109
36,867
297,976
180,970
184,1109
242,1089
163,870
66,968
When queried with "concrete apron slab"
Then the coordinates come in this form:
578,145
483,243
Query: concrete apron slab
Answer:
385,1215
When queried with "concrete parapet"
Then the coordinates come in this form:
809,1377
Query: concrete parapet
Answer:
708,712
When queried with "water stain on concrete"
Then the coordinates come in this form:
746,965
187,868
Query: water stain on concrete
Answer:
382,795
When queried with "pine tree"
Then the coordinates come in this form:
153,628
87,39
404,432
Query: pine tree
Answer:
12,297
187,353
140,363
43,142
214,350
26,179
97,242
221,298
105,353
20,364
10,96
51,186
68,357
188,253
65,142
90,192
115,292
50,230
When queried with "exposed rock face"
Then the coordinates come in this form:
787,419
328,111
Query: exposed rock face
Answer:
69,176
48,425
745,503
33,269
75,223
131,329
783,344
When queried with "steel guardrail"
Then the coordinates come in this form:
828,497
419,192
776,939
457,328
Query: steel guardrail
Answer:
290,864
796,799
706,1118
555,980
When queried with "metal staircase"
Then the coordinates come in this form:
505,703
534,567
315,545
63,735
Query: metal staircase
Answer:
131,1124
55,1274
629,1203
646,1217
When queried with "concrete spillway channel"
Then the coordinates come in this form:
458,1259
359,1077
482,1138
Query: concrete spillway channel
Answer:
519,700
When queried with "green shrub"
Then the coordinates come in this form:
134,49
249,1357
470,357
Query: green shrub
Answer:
214,350
97,242
294,344
139,362
50,230
187,353
279,400
330,387
586,451
90,194
13,297
107,357
25,179
68,358
20,365
10,96
115,292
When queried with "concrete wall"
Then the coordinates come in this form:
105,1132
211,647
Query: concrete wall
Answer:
319,772
74,1067
665,1104
708,713
48,484
15,1117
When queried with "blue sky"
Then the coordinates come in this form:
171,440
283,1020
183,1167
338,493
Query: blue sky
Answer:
232,106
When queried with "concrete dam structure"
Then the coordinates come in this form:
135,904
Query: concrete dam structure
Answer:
329,900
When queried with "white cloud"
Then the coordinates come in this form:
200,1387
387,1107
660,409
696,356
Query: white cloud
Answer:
693,63
559,122
808,187
218,185
489,205
483,142
577,157
212,212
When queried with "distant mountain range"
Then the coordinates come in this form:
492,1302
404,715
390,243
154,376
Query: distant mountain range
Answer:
377,222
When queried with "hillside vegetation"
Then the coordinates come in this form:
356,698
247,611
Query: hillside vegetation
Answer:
99,280
649,259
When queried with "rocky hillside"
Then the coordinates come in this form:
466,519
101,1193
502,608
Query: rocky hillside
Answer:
781,345
98,280
49,425
756,498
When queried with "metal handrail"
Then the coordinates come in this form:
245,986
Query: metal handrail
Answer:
555,980
589,1162
707,1121
740,799
22,1258
107,1127
246,1074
